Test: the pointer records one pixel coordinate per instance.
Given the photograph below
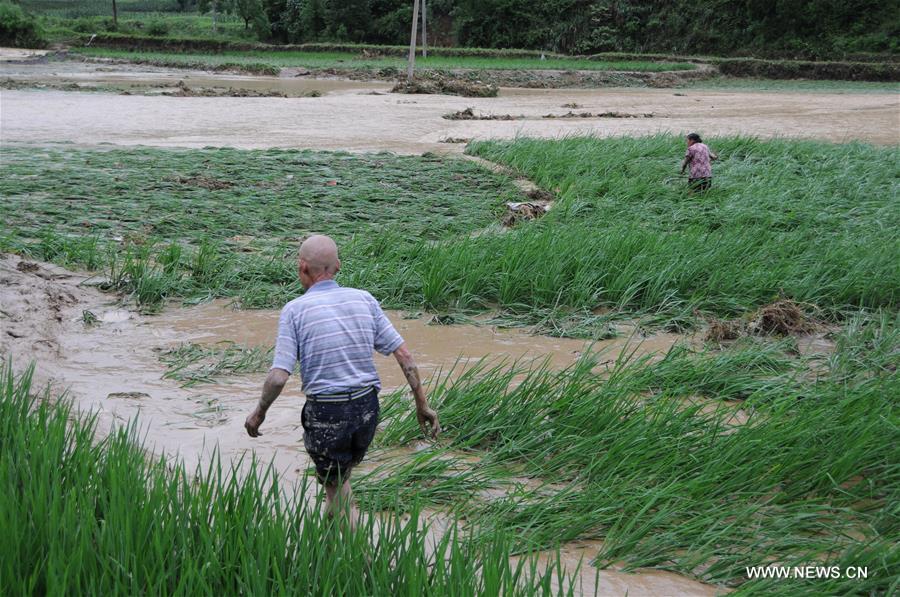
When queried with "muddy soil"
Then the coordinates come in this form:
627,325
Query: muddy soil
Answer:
359,116
151,80
111,367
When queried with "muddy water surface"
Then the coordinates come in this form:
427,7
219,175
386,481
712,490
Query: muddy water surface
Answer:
350,117
437,348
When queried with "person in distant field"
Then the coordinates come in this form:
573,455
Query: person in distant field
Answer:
333,331
699,158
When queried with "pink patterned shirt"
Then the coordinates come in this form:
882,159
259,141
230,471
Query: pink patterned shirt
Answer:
698,157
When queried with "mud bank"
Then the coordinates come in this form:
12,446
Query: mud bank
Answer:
142,79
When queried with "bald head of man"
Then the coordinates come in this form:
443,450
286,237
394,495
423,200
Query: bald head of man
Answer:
318,260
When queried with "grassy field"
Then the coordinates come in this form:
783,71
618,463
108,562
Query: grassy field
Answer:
321,60
60,28
246,212
704,462
81,516
813,222
90,8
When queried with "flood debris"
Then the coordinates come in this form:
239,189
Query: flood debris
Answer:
127,396
27,266
539,195
447,86
572,105
442,319
454,140
721,330
526,210
182,90
469,114
571,114
782,318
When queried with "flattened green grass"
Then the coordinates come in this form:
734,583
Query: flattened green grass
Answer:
192,364
813,222
341,60
226,222
702,463
260,196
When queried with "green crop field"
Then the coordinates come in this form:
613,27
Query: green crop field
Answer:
813,222
89,8
706,460
791,85
345,60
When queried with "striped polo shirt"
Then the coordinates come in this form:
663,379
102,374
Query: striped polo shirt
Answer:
332,331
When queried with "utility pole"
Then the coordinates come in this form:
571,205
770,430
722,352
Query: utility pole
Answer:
424,34
412,42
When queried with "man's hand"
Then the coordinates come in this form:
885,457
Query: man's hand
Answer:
254,420
271,389
428,417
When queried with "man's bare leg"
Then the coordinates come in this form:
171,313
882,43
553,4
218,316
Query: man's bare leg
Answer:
339,501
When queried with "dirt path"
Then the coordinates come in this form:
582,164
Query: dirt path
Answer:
112,368
361,117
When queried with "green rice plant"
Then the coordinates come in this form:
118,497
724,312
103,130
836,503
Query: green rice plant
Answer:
808,221
136,274
83,514
802,471
192,364
868,345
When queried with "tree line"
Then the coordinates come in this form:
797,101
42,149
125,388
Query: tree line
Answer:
813,28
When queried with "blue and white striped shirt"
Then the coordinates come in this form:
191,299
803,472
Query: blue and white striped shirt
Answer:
332,331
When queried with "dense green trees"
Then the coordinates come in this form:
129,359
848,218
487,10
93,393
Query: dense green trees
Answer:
817,28
18,28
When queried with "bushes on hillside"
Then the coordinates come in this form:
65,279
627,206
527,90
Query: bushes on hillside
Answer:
18,28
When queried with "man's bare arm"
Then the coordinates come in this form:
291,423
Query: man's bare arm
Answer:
272,387
424,413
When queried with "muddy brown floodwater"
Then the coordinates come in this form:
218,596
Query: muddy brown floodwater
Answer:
358,116
111,367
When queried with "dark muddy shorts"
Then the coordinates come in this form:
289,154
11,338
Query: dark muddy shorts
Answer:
699,184
337,434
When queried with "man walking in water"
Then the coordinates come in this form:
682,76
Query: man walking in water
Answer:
699,157
333,331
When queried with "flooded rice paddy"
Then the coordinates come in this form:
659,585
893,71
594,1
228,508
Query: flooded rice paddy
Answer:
362,116
112,366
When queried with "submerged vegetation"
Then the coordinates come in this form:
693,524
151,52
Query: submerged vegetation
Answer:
192,363
702,462
83,515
